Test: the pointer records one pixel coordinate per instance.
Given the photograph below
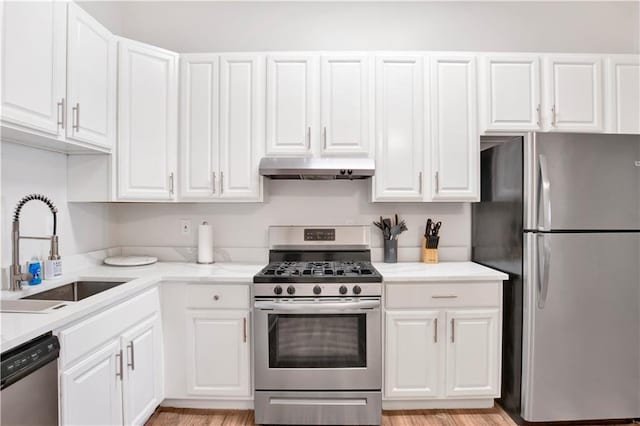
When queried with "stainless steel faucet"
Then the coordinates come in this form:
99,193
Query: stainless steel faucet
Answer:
16,271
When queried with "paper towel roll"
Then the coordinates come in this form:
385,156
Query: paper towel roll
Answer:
205,243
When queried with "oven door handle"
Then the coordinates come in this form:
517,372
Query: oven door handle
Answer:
318,306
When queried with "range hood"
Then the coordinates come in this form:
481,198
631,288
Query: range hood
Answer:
316,168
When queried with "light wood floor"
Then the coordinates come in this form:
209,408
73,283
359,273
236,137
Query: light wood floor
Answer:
165,416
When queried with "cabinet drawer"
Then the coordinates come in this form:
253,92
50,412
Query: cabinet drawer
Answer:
85,336
231,296
437,295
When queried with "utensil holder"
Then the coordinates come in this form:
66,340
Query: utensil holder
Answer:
429,255
390,251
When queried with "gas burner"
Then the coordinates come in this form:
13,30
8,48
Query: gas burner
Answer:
319,271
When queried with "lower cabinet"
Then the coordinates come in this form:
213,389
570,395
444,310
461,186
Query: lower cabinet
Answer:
121,380
438,345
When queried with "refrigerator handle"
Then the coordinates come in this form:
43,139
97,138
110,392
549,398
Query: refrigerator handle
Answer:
544,191
544,257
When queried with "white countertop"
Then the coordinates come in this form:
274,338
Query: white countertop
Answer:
17,328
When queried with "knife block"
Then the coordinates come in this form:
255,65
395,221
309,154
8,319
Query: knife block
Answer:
428,255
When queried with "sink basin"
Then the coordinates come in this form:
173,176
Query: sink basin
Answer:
75,291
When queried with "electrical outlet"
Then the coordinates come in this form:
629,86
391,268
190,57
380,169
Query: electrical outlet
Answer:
185,227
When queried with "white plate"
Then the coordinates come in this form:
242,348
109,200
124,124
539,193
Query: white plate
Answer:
130,260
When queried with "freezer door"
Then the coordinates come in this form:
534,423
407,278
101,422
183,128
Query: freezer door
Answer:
581,327
586,181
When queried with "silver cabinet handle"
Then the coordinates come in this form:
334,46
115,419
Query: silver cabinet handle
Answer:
132,364
435,330
171,185
213,182
544,257
444,297
553,115
119,364
453,330
538,111
244,330
437,182
61,113
324,135
221,183
544,192
309,137
76,117
420,182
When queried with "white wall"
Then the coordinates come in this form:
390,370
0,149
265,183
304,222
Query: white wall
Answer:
81,227
208,26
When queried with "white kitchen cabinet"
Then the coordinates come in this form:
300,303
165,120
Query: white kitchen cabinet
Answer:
623,80
400,135
291,104
218,357
511,93
573,93
472,352
413,353
147,122
346,104
91,80
199,148
241,126
143,379
91,391
33,65
455,141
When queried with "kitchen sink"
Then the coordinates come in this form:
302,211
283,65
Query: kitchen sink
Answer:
75,291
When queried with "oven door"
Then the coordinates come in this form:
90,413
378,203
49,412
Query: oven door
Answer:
318,344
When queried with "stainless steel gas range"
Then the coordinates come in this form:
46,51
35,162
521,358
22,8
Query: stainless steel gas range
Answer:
318,351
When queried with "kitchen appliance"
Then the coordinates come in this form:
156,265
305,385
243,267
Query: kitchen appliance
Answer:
317,322
29,389
300,168
560,213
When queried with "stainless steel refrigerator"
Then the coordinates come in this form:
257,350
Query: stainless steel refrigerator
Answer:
560,213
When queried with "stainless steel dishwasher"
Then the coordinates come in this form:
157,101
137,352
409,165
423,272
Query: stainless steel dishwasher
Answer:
29,386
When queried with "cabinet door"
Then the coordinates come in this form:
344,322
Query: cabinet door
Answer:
291,104
147,115
573,85
473,353
199,126
624,93
346,104
241,126
511,88
142,384
412,358
91,80
455,139
218,353
33,64
400,135
91,391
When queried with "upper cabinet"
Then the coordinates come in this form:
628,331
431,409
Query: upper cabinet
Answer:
455,142
573,93
91,77
33,65
346,104
510,86
147,129
291,104
400,135
623,73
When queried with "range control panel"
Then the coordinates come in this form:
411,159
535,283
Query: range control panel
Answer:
319,234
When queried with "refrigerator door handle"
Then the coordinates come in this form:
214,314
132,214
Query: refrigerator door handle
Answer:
544,245
545,195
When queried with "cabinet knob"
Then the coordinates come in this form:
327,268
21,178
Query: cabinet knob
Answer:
216,297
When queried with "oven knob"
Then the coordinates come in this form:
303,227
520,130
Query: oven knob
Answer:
277,289
317,290
291,289
356,289
343,289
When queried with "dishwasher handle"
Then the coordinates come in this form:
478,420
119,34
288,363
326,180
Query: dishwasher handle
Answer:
17,363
